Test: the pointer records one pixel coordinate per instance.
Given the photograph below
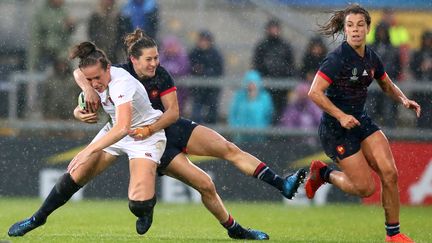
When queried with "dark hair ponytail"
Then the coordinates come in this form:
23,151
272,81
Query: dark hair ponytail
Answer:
89,54
335,25
136,41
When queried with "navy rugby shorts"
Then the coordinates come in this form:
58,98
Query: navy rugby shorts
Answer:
340,143
177,135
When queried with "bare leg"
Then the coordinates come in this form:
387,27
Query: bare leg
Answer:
142,179
141,193
355,177
97,163
205,141
377,151
182,169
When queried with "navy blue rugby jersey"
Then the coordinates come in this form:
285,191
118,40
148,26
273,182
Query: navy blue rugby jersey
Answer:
159,85
349,76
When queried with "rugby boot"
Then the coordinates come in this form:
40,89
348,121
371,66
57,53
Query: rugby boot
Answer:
401,238
314,180
292,183
143,224
22,227
247,234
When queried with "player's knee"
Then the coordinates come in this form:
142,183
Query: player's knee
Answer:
366,190
231,150
142,208
206,186
390,177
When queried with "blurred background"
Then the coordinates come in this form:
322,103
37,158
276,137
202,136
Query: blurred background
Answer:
268,48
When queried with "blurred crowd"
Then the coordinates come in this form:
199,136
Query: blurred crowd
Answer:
252,105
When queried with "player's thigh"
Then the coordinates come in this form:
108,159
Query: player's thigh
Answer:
184,170
377,151
96,163
105,161
205,141
142,178
357,169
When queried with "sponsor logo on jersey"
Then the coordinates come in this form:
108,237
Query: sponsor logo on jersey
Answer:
149,155
120,96
365,73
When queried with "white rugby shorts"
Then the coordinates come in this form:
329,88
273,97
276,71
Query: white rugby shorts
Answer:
150,148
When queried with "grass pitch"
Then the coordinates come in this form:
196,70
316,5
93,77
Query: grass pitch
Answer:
111,221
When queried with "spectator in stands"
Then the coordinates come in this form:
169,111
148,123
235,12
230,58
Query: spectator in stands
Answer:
399,37
174,58
107,27
59,105
273,57
252,107
315,52
380,108
300,111
144,15
398,34
206,62
52,29
421,63
421,67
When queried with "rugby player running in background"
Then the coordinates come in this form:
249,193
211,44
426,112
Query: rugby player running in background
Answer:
349,137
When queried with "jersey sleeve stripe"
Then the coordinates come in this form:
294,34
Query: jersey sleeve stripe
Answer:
168,91
324,76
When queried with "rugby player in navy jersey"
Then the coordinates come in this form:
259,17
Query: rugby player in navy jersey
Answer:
347,134
185,136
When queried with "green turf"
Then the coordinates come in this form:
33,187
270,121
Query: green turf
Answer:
111,221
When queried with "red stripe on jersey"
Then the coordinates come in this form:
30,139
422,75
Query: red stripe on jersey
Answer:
324,76
168,91
383,76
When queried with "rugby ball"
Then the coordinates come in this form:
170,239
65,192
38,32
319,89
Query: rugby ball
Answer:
81,101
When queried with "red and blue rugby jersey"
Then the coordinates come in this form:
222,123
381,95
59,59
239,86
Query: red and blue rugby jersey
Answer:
349,76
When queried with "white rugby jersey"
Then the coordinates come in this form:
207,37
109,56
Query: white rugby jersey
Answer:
123,88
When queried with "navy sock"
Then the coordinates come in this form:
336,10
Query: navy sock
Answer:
325,173
229,223
232,226
264,173
392,229
59,195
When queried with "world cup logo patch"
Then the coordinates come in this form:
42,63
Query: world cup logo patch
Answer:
340,149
